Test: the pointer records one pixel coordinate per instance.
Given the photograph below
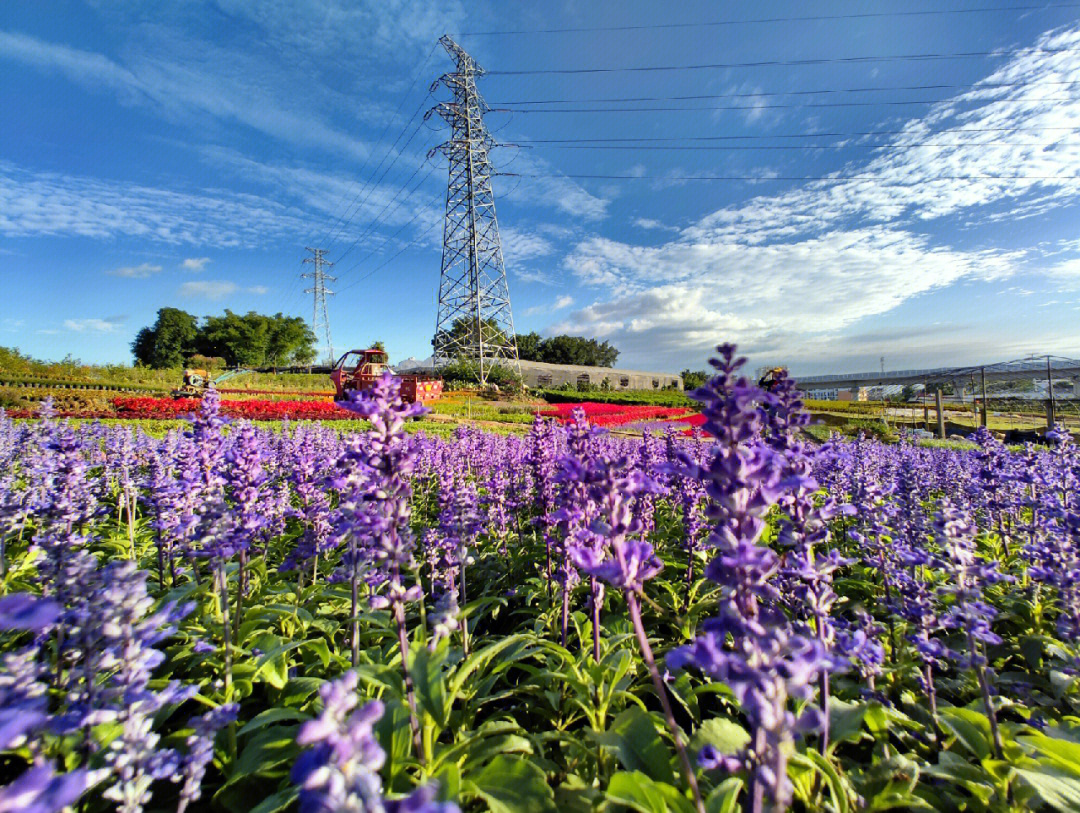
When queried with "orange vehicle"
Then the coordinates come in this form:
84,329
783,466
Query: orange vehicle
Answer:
357,370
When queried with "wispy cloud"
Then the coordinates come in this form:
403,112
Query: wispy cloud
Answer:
135,271
107,325
559,304
208,289
45,203
780,269
182,79
194,263
218,289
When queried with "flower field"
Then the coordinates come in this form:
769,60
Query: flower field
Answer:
599,414
250,409
236,618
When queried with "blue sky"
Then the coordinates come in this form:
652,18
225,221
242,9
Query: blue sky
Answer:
185,153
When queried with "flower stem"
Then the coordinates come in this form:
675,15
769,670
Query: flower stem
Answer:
661,691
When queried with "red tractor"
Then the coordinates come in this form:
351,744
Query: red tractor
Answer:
357,370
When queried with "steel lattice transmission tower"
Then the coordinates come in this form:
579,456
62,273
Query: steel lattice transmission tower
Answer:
474,319
319,319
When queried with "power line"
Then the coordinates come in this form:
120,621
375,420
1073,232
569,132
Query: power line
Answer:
415,241
387,210
382,135
777,62
409,194
885,103
807,18
749,147
764,94
842,134
370,185
825,178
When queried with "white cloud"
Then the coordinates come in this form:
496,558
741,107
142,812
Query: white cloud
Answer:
12,325
783,271
194,263
208,289
552,190
651,224
92,325
182,79
135,271
45,203
520,246
559,304
258,290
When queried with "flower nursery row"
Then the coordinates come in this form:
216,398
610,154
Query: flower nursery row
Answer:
254,410
297,619
604,414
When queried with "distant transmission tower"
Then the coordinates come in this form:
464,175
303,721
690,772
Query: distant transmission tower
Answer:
319,319
474,320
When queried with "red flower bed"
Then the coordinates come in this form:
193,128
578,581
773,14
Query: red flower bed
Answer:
252,410
320,394
611,414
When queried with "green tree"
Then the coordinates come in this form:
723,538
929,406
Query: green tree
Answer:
289,341
528,345
577,350
170,340
692,379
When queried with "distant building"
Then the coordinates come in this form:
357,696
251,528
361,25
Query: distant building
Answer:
543,375
837,394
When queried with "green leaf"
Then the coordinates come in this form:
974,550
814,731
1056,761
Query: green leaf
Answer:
298,690
1059,753
278,801
970,728
845,721
726,736
267,748
837,788
725,796
275,715
512,784
636,742
274,666
1057,788
639,792
426,671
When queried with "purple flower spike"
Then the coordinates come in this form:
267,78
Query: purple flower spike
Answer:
23,611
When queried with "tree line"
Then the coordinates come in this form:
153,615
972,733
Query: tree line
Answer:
241,340
576,350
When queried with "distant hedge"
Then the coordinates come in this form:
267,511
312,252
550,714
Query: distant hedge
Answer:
667,398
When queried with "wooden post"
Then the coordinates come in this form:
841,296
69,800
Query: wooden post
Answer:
925,409
940,414
985,421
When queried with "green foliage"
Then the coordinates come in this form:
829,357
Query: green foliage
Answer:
692,379
567,350
169,341
249,340
666,398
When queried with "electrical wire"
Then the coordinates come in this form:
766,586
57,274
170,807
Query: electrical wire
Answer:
763,94
382,135
776,63
823,178
800,19
386,208
840,134
748,147
887,103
